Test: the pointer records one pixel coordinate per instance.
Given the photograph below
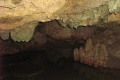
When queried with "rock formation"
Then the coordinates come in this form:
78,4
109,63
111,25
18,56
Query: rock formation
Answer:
93,25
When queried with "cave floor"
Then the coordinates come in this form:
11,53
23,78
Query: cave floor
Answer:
36,66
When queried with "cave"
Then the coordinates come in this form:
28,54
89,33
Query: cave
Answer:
59,40
63,53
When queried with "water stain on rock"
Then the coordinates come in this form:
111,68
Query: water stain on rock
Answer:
10,20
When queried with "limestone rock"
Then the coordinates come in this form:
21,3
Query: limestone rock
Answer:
72,13
4,34
15,13
18,12
24,33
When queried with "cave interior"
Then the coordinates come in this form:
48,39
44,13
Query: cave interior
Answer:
52,53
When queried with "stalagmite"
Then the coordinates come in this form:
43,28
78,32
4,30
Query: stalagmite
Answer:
92,55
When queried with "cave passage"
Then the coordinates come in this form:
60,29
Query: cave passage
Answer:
62,53
60,40
49,64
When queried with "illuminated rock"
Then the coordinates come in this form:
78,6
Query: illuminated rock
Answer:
15,13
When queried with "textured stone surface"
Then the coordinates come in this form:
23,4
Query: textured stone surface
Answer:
15,13
70,13
18,12
92,55
24,33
